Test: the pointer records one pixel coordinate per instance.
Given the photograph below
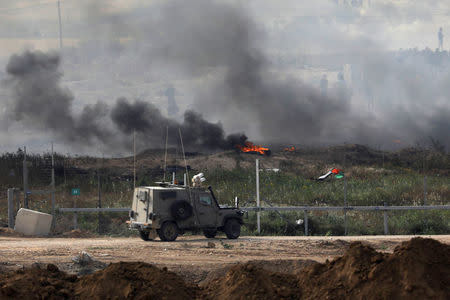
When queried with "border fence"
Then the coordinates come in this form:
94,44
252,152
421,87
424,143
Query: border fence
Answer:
305,209
15,196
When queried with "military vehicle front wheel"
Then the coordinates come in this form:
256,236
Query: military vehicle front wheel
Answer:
210,233
168,231
232,229
145,235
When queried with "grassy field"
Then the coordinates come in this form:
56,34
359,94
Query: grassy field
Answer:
372,178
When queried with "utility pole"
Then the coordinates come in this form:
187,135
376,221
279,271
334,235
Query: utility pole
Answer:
165,154
11,209
134,159
98,189
424,182
99,199
345,205
345,198
60,26
258,213
53,184
25,178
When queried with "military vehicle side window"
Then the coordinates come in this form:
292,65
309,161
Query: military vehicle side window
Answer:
143,196
168,195
206,200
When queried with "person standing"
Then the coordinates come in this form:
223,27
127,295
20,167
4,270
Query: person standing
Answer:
341,91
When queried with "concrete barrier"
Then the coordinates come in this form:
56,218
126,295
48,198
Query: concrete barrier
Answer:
31,222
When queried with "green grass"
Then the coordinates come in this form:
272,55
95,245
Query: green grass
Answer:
358,223
396,184
294,189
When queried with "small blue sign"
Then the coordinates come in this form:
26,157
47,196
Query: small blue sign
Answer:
75,192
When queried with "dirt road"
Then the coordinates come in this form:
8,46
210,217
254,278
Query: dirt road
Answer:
191,256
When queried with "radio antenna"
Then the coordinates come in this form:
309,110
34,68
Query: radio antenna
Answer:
165,155
184,157
134,157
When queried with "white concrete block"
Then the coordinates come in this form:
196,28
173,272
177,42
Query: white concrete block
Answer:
31,222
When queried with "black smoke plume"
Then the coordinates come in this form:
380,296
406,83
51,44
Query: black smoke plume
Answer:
202,35
207,37
41,102
197,133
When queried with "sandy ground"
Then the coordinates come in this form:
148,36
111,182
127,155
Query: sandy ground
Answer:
191,256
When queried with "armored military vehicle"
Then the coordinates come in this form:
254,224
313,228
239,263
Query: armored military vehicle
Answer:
168,210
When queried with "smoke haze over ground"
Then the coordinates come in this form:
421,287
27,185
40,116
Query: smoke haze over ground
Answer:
39,101
226,57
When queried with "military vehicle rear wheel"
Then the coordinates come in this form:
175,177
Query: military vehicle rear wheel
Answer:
168,231
210,233
144,235
232,229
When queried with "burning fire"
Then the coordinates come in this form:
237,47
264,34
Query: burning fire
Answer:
249,147
289,149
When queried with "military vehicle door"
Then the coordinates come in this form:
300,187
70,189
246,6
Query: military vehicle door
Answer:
142,204
206,209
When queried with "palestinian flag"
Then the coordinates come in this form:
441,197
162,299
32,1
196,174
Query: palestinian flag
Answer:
337,173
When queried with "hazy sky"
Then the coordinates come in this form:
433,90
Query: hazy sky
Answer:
101,70
389,24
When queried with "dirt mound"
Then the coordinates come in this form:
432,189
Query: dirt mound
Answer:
418,269
37,283
285,266
134,280
289,266
248,281
131,280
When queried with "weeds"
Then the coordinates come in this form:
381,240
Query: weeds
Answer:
226,246
395,178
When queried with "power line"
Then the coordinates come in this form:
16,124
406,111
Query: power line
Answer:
60,27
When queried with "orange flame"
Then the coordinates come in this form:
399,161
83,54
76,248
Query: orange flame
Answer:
249,147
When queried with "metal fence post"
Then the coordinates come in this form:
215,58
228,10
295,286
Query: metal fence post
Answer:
11,210
425,190
75,214
258,204
345,205
53,185
306,223
75,220
385,215
25,178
